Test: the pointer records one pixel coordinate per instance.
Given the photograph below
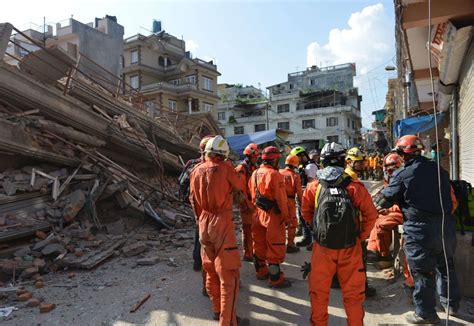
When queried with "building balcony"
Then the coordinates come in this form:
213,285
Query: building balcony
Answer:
328,110
159,70
250,119
162,86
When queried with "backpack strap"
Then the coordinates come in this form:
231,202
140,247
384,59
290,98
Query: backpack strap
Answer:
316,196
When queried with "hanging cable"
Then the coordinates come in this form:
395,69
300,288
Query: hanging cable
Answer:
438,162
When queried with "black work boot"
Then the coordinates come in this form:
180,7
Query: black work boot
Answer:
369,291
292,249
414,319
242,321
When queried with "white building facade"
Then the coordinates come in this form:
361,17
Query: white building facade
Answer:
318,105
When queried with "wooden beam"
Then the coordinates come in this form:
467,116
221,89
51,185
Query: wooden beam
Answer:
425,73
416,14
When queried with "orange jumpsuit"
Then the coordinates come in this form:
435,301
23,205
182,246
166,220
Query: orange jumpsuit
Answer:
211,186
268,231
248,212
347,263
380,238
293,190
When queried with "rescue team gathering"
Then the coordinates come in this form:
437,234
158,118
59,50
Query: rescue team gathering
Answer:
319,195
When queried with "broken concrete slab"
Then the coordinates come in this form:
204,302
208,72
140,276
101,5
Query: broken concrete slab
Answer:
29,272
74,203
134,249
53,249
43,243
116,228
22,252
149,261
91,259
9,187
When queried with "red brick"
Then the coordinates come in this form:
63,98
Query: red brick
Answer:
39,284
41,235
33,302
25,296
46,307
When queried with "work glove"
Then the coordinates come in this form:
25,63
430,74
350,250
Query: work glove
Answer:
305,269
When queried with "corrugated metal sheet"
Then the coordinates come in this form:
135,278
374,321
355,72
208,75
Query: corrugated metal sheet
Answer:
466,117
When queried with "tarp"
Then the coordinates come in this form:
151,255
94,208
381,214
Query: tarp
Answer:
415,125
238,143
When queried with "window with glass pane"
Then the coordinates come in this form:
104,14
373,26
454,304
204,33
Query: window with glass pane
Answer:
238,130
284,125
283,108
260,127
134,82
311,123
173,105
207,84
221,116
191,79
133,56
332,122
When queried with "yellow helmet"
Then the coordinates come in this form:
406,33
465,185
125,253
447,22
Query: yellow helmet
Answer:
354,154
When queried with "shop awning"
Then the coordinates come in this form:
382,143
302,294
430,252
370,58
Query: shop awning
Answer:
415,125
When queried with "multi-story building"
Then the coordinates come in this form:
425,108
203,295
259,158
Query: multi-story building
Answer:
167,76
318,105
242,109
97,46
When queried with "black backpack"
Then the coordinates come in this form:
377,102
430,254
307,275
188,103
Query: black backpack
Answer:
335,217
184,181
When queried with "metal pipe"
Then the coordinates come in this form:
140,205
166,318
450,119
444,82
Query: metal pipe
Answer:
454,136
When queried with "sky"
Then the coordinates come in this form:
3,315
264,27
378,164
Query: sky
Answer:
253,42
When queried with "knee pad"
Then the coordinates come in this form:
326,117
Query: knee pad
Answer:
274,270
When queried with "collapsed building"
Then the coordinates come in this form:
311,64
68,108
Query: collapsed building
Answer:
79,153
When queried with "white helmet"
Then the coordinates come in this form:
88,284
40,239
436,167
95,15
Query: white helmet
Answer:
217,145
333,154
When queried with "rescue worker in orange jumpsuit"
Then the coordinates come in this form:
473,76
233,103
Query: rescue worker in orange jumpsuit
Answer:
269,239
211,195
293,192
355,164
380,238
373,165
333,184
247,208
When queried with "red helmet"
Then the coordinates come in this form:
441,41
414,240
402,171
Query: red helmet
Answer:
204,140
271,153
409,144
392,162
251,150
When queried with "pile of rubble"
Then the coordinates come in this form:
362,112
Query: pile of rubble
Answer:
80,170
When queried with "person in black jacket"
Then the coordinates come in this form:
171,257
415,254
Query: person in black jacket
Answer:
415,188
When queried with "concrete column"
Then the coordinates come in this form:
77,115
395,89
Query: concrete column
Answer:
5,33
166,60
190,105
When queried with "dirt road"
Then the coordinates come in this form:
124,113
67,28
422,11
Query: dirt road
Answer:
106,295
